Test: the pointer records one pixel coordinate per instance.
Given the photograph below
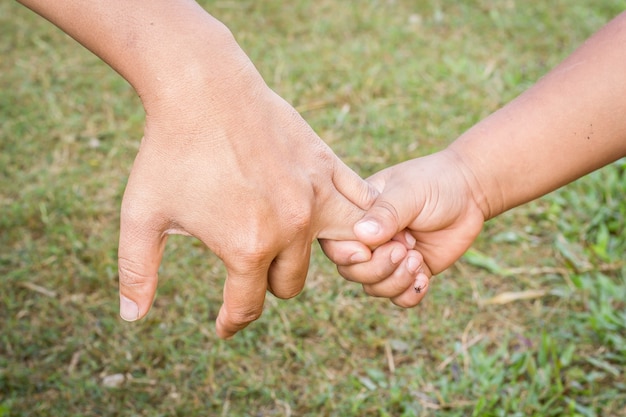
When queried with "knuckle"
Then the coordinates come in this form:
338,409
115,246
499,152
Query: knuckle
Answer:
300,220
129,273
294,214
287,292
252,246
369,290
403,302
261,245
345,272
369,273
394,288
141,215
370,194
387,211
254,255
379,272
245,316
353,274
133,212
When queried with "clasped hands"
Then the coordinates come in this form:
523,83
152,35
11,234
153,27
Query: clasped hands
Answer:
226,160
246,175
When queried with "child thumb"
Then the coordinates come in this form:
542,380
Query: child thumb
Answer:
380,223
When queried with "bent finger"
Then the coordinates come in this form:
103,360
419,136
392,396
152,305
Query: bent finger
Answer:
287,273
244,295
413,295
346,252
397,282
384,262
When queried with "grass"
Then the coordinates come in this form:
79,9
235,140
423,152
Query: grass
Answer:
381,82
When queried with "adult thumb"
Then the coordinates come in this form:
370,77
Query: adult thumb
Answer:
139,256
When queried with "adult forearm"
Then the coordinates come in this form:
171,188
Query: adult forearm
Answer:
570,123
157,45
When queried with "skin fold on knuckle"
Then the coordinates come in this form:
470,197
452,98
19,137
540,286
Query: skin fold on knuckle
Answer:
130,275
287,292
371,291
298,220
404,302
387,213
394,286
240,318
379,272
369,195
349,274
252,260
368,274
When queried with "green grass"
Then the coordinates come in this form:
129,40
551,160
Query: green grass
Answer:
381,82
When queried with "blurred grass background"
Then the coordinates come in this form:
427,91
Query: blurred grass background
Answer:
381,82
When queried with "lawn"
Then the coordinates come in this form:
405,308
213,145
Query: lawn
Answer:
381,82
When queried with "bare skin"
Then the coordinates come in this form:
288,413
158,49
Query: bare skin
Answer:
223,158
571,122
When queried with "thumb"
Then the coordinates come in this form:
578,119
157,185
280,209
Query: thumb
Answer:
389,214
139,256
352,196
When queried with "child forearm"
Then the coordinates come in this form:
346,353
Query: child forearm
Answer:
570,123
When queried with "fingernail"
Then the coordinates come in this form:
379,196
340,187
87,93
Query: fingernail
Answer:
410,240
396,255
369,227
421,283
413,264
128,309
359,257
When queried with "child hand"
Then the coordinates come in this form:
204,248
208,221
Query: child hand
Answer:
435,199
393,270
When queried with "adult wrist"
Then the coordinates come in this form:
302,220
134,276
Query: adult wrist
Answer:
212,69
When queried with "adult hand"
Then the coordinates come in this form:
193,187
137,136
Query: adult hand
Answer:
223,158
240,170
